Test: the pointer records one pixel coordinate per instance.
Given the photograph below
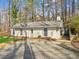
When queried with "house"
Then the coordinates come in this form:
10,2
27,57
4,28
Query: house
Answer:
34,29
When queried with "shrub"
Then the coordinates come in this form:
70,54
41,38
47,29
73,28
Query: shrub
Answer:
39,36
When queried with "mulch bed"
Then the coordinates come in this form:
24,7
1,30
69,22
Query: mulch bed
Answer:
75,44
3,45
4,34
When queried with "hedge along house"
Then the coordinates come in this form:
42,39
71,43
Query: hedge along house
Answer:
34,29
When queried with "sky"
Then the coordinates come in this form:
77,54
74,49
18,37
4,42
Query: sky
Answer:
3,4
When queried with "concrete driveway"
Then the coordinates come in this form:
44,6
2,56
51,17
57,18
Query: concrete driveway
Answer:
38,50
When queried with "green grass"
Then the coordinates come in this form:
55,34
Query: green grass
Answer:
6,39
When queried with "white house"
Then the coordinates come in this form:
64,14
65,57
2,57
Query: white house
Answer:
34,29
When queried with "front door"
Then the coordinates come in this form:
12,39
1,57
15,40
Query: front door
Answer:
45,32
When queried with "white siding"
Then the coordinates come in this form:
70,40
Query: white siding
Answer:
57,34
29,33
17,33
51,33
36,33
11,31
54,34
23,33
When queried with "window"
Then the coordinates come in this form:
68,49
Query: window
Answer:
51,33
21,32
45,32
38,33
13,32
32,31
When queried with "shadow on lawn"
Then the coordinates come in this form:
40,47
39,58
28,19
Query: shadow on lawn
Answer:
28,53
69,48
12,54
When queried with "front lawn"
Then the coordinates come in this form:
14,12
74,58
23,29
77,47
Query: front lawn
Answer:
4,39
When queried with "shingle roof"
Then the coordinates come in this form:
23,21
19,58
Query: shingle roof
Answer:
41,24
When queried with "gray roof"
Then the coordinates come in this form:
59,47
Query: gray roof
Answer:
41,24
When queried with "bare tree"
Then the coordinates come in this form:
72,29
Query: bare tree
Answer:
73,7
9,13
0,22
43,9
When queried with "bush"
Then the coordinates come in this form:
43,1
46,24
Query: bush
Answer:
53,39
39,36
75,38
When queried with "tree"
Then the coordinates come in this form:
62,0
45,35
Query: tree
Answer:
32,10
73,7
74,23
43,9
9,13
62,7
48,2
20,12
15,9
31,5
29,9
0,22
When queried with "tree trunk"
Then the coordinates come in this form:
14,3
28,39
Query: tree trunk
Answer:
9,17
48,2
43,10
73,8
32,11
